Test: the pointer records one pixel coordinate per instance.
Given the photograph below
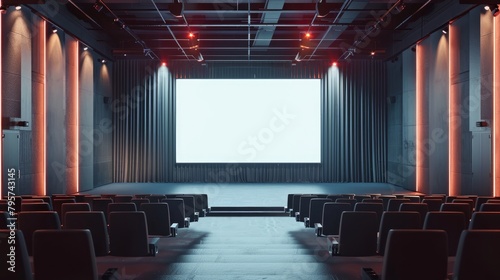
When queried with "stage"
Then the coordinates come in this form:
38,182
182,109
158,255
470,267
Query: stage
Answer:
248,194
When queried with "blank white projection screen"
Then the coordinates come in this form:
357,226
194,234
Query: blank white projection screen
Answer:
248,121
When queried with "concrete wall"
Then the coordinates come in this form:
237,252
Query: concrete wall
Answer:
58,99
455,154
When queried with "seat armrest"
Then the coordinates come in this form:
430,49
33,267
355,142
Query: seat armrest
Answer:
306,222
153,248
196,216
297,216
291,212
187,221
111,274
334,247
369,274
173,229
318,229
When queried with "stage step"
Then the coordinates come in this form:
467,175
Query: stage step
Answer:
247,211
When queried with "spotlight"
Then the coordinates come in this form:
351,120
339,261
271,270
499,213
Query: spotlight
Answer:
163,64
176,8
18,7
124,54
85,48
3,9
486,8
193,42
98,5
334,63
54,29
305,43
372,53
103,61
444,31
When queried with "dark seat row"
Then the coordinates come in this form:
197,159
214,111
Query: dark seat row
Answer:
70,249
361,227
422,254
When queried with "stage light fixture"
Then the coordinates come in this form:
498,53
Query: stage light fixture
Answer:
322,8
98,5
300,55
18,7
444,31
193,41
54,29
199,58
400,7
176,8
85,48
164,64
372,53
334,63
305,43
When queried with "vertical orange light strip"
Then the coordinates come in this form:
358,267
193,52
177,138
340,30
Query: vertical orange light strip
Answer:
453,116
496,108
77,115
418,116
44,125
1,94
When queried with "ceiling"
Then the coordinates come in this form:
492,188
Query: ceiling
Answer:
256,30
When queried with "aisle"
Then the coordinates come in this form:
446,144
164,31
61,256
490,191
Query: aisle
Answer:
247,248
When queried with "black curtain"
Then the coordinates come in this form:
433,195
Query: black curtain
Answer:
353,123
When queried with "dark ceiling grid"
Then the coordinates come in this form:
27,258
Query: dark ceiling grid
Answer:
257,30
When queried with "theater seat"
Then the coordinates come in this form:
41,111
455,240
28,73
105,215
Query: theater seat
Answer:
357,234
128,234
121,207
316,210
158,217
176,210
393,204
332,213
72,207
396,220
490,207
378,208
451,222
30,221
485,220
415,255
478,255
96,223
64,254
35,206
22,260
